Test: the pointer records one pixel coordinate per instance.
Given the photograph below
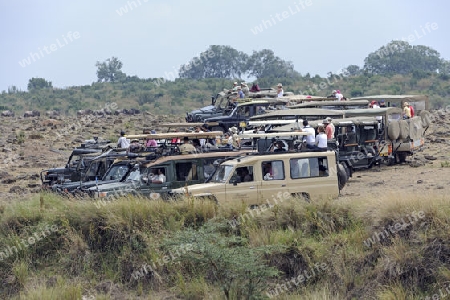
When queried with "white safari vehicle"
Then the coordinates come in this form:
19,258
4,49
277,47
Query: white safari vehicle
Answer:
257,179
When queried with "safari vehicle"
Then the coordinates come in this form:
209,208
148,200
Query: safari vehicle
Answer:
399,138
117,172
178,170
259,179
220,104
76,163
240,115
419,102
356,140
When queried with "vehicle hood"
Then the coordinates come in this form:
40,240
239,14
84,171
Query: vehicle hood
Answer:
55,170
200,188
218,118
114,186
206,109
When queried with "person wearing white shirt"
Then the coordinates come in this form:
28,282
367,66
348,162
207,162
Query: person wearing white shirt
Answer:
159,178
309,139
280,91
123,142
321,140
339,96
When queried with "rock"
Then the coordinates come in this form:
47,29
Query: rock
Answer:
416,164
33,185
15,189
8,181
429,157
419,181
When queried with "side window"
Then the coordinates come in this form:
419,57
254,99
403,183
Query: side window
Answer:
208,167
155,175
186,171
245,174
308,167
272,170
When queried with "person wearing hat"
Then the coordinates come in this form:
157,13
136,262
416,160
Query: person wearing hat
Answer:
151,143
382,103
235,85
123,142
328,130
333,94
331,125
245,88
235,141
240,92
406,111
280,91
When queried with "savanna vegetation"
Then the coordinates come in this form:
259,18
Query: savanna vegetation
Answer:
396,68
132,248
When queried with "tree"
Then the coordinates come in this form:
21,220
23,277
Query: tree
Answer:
399,57
38,84
110,70
264,64
216,62
353,70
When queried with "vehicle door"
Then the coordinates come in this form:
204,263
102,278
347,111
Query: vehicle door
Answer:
242,186
273,175
150,187
187,172
311,176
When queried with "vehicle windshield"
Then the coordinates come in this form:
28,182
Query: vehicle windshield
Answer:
222,173
116,172
134,175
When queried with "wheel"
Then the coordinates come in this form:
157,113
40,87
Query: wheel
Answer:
342,176
303,196
400,157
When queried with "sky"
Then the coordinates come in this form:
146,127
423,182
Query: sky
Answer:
62,40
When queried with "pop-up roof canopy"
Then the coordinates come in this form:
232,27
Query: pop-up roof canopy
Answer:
299,112
372,112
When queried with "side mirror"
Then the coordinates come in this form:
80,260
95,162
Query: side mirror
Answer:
213,100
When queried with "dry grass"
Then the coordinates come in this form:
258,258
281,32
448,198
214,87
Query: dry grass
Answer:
111,241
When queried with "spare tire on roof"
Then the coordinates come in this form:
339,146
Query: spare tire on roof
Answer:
404,130
426,118
393,130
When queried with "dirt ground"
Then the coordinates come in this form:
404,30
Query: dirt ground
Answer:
29,145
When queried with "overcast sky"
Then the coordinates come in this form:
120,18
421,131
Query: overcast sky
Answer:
62,40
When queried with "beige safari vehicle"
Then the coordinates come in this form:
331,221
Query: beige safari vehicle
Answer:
259,179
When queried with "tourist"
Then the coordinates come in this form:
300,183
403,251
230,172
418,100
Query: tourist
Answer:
280,91
309,139
255,88
186,147
123,142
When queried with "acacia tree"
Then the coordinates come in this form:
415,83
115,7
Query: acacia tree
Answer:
216,62
38,84
399,57
264,64
110,70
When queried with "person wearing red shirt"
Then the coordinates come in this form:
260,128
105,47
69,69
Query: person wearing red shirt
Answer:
328,129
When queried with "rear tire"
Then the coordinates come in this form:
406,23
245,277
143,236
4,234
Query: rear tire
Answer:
342,176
